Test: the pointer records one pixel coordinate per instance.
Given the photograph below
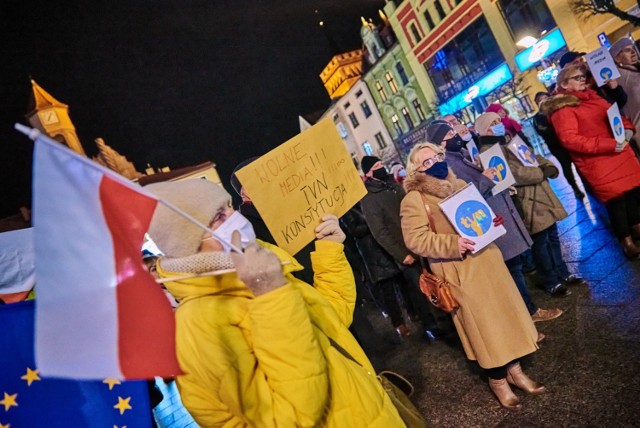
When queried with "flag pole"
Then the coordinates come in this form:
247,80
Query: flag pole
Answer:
37,136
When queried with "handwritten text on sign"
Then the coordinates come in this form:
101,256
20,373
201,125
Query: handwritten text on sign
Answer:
298,182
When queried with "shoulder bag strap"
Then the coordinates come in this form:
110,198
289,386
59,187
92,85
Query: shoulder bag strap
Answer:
432,225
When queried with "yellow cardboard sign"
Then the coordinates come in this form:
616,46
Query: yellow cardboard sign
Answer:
298,182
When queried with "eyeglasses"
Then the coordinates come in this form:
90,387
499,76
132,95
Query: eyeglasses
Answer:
578,77
428,163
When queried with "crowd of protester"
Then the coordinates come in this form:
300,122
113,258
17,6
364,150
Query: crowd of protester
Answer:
273,340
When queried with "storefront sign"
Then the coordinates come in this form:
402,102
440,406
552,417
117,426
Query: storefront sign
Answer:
488,83
544,47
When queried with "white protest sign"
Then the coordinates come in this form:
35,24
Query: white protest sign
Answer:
523,152
494,158
472,217
602,65
473,151
298,182
615,121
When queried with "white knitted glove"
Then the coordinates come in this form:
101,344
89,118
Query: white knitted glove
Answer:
257,267
628,134
330,230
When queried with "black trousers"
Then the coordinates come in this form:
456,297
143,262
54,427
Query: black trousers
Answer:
499,372
624,212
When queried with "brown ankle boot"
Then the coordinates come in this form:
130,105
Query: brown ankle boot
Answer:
516,377
629,247
505,395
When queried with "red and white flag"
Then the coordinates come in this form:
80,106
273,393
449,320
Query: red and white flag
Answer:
99,313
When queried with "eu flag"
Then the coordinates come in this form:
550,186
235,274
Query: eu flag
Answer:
28,400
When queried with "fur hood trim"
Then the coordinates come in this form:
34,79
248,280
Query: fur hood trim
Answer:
559,101
428,185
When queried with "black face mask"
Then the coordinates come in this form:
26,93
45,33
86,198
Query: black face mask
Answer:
454,144
380,174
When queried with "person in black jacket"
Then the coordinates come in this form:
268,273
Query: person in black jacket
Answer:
544,128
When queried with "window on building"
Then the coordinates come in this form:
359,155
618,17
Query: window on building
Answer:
354,120
365,109
347,105
391,82
367,148
407,117
439,9
359,93
418,107
427,17
402,73
380,140
381,91
415,32
464,60
342,130
335,117
396,124
527,17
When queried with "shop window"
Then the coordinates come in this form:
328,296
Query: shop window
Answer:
527,17
402,73
418,107
354,120
396,124
365,109
415,32
381,92
464,60
439,9
407,117
391,82
380,139
366,147
427,17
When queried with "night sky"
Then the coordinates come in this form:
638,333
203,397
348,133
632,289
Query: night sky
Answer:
171,83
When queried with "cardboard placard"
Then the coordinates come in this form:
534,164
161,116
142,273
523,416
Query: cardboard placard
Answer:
494,158
473,152
615,121
523,152
298,182
472,217
602,65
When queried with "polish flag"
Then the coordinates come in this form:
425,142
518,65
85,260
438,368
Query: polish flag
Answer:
99,313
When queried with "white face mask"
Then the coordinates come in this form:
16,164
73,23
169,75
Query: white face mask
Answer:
467,137
235,221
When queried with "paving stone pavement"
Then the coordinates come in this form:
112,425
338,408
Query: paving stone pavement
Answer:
589,360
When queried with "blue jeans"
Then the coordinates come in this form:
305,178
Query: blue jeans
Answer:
548,257
515,268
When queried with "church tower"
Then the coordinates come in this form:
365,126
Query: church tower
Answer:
51,117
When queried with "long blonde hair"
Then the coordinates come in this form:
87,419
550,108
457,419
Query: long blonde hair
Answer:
412,160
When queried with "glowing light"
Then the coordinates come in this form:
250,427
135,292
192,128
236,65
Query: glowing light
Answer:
526,42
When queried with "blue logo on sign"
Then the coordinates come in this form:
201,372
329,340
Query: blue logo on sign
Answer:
473,218
525,154
500,167
606,73
617,125
474,153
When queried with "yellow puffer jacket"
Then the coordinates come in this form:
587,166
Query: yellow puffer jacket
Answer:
267,361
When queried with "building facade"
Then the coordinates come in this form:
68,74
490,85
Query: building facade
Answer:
393,85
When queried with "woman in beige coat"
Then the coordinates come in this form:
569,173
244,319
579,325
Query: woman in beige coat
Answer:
493,323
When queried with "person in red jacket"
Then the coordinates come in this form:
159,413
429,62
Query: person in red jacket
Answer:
579,117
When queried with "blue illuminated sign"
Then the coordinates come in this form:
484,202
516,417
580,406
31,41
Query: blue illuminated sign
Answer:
488,83
544,47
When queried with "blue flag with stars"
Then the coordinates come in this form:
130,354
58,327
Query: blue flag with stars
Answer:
28,400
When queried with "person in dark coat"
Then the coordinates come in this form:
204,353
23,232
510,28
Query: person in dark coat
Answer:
249,211
544,128
517,240
381,209
579,116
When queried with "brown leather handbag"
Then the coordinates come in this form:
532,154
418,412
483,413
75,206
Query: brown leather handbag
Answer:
436,288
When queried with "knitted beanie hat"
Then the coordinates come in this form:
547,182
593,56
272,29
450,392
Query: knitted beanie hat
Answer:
367,162
483,122
437,130
174,235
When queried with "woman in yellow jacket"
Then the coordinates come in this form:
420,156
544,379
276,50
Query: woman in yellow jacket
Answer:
258,346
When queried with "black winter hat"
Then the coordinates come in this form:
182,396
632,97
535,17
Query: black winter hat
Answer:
570,56
367,162
437,130
235,183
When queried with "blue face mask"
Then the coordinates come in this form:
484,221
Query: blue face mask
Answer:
498,130
438,170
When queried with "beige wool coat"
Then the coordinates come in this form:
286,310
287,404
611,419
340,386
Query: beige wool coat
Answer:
493,323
